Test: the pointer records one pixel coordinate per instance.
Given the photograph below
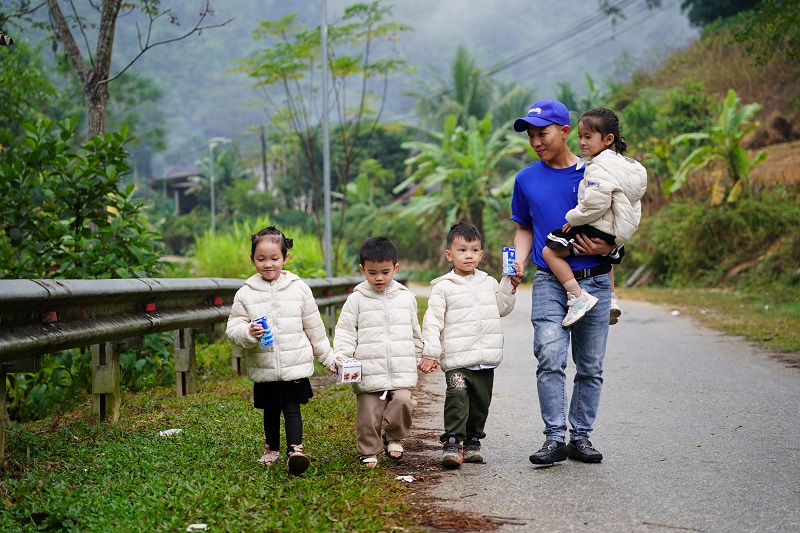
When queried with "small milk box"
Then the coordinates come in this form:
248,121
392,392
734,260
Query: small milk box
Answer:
509,257
348,370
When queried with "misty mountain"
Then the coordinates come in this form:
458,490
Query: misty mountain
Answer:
538,44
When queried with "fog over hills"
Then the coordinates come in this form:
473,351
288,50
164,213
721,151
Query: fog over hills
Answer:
537,43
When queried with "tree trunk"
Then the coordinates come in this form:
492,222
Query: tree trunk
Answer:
94,80
96,97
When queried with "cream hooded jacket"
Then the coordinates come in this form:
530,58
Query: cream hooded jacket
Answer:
380,329
609,195
462,326
294,319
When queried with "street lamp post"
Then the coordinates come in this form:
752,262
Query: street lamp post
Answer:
213,143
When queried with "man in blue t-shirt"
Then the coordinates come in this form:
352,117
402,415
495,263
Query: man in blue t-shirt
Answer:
543,193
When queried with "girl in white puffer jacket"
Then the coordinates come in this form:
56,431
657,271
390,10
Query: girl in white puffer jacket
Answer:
280,372
609,206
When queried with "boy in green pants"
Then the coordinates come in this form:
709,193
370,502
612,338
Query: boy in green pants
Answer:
463,334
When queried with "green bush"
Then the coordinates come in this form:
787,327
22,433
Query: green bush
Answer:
752,241
65,213
66,377
227,255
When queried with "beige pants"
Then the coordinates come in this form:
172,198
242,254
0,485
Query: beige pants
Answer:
371,411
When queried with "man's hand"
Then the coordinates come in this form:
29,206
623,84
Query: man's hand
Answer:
594,246
516,279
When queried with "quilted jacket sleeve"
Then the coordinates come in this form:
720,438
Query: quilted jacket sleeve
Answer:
433,324
345,335
238,327
419,344
595,200
505,298
315,330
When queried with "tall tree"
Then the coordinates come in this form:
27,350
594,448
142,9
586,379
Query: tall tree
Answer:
772,28
702,12
290,61
92,64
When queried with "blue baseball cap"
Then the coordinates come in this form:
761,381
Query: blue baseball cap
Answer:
544,113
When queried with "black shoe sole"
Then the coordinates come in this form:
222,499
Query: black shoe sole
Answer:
576,454
549,459
296,465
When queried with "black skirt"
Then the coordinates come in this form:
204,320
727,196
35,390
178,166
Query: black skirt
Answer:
271,393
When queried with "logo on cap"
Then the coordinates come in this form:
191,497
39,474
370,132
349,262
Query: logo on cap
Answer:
537,110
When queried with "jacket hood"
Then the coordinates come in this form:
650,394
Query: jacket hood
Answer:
477,277
391,291
256,282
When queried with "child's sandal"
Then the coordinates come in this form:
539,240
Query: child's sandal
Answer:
269,456
392,447
370,461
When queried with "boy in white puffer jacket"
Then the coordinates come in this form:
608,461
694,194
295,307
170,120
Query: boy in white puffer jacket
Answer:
463,333
378,326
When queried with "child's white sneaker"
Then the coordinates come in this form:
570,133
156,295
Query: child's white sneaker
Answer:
615,311
578,307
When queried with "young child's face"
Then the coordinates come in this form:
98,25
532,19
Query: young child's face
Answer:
269,260
465,256
379,274
592,142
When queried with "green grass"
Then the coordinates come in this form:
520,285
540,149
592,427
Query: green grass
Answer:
769,321
73,474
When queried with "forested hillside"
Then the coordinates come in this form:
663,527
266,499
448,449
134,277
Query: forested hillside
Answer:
518,41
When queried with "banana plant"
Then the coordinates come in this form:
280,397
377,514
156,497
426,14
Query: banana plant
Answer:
722,146
458,176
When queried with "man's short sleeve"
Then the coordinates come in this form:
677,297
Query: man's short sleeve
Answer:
520,210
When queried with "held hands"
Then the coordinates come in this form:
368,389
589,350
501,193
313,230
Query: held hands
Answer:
427,365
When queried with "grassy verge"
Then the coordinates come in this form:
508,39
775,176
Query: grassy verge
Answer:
73,474
760,318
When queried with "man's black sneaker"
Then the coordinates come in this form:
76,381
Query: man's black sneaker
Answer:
582,450
552,452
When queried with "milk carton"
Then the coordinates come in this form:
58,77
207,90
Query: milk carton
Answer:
267,339
348,370
509,257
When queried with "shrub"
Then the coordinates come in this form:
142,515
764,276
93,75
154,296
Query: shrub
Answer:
688,243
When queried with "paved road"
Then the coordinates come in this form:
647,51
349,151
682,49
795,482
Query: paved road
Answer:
700,432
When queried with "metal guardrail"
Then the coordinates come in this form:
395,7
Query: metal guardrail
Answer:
38,317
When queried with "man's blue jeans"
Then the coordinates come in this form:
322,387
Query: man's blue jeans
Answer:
550,345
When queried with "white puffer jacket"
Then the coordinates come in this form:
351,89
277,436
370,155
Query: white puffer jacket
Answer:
293,317
380,329
609,195
462,326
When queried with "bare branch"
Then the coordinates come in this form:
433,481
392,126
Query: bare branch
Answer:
198,28
80,27
65,36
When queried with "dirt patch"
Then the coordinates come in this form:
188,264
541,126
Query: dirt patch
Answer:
421,461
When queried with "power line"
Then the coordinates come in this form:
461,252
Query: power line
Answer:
581,31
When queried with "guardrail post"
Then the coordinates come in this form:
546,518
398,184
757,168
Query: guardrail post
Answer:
185,362
105,381
330,320
236,360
